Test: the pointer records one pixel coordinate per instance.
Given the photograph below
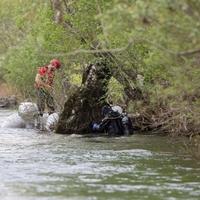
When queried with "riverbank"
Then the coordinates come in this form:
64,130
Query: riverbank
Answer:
6,90
8,96
174,120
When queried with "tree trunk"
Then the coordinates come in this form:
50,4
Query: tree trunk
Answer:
84,105
58,11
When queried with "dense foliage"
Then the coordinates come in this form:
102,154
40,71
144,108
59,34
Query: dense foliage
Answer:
154,43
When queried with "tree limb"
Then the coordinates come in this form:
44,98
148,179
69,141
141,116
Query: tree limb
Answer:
189,52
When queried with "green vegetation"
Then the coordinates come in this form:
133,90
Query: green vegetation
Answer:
154,44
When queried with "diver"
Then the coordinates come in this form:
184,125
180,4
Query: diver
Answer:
115,122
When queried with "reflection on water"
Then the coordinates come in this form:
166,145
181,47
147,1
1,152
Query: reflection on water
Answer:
47,166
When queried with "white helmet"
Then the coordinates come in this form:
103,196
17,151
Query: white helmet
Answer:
28,111
117,109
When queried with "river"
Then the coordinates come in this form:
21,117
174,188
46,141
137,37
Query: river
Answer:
44,166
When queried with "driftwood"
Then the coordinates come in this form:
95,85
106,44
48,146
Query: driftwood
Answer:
84,105
8,102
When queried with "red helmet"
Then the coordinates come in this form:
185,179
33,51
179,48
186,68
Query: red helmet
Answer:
56,63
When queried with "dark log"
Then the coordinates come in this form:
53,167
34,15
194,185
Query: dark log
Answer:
84,105
8,102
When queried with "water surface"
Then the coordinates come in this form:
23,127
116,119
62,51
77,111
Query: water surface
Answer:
35,165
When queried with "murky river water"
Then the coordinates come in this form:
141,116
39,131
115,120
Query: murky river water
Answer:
46,166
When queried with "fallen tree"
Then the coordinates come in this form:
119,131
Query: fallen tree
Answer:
84,104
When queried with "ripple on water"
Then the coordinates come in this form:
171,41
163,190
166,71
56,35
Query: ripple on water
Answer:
48,166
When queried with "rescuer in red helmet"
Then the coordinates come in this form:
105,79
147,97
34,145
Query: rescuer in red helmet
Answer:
44,83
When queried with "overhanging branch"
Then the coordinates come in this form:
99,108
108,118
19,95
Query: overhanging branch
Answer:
124,48
189,52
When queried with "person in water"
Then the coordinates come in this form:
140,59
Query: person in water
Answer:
44,86
115,122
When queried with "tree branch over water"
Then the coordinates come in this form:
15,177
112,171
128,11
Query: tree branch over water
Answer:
115,50
189,52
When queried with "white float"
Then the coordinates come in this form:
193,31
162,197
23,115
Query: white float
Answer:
51,121
28,111
28,117
13,121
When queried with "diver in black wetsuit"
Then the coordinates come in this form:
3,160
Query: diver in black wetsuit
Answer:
115,122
